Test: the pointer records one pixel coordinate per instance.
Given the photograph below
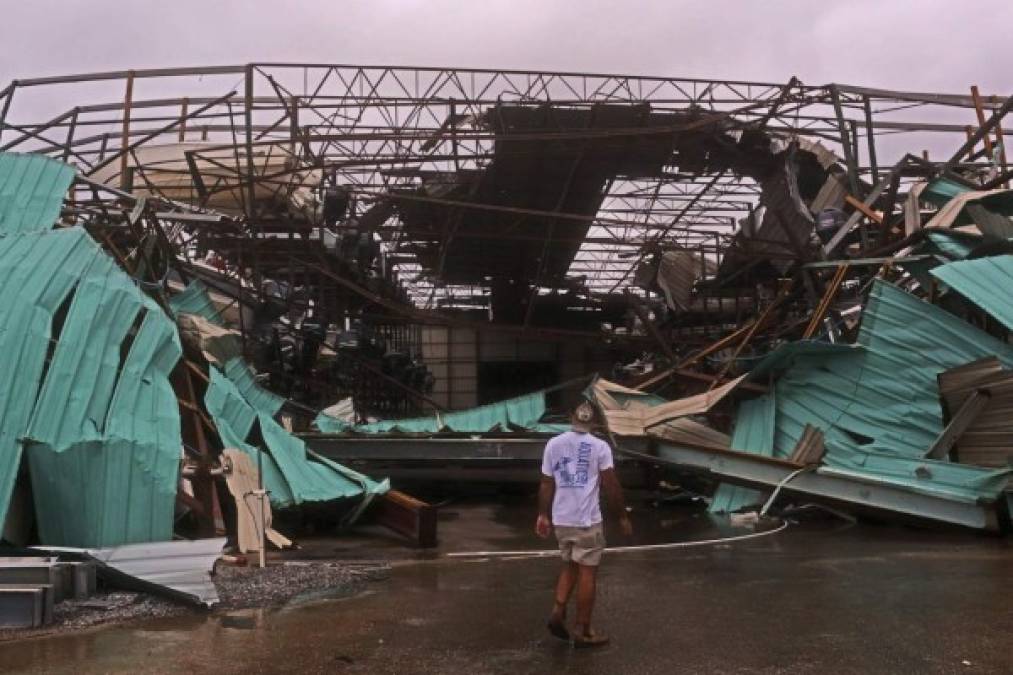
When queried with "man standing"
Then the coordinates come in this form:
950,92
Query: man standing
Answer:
575,464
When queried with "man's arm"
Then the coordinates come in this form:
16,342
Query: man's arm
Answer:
614,496
546,491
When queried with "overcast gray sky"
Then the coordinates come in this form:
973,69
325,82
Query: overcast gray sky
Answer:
939,45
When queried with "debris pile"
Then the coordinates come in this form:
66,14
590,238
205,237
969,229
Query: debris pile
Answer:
209,308
96,461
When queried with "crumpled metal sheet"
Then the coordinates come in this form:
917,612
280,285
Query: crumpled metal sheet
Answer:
177,569
878,406
98,423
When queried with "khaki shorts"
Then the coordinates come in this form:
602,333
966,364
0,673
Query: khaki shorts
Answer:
582,545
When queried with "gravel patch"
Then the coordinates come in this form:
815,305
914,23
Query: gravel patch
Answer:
238,588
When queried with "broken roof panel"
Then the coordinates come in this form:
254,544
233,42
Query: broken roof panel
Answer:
292,474
32,188
262,400
986,282
636,418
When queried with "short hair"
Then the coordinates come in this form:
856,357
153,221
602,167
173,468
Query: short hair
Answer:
584,413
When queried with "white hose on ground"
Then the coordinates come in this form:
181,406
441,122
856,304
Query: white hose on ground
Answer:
619,549
784,481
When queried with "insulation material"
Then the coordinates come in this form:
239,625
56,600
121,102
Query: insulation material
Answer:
336,418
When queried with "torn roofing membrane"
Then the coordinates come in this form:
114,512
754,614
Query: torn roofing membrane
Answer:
85,394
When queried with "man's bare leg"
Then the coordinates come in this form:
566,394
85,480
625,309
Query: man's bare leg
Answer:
587,579
568,575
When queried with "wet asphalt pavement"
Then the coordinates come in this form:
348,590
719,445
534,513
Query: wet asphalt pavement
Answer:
815,598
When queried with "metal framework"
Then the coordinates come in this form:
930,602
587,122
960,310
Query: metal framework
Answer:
377,130
239,161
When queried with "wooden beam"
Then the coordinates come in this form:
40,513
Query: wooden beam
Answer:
407,516
825,301
980,111
866,210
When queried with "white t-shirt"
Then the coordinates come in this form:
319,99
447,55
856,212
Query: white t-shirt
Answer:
574,460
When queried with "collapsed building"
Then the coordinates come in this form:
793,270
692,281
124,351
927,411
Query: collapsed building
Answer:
788,288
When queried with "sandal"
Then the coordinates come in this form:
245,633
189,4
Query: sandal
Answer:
558,629
590,639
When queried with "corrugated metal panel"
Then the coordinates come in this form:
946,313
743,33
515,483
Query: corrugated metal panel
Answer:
101,431
523,412
178,569
754,433
677,274
942,190
878,407
792,354
988,441
986,282
261,399
292,474
32,188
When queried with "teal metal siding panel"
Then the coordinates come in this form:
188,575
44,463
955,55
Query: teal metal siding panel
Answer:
879,407
292,474
32,188
101,437
986,282
754,433
262,400
37,273
522,412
